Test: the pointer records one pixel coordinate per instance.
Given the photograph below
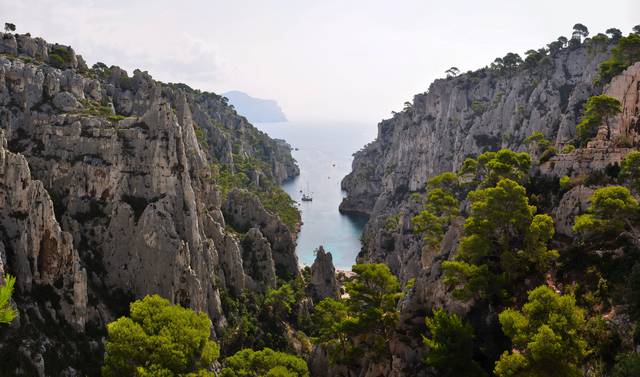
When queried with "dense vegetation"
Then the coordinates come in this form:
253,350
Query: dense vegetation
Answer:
359,327
7,312
554,295
504,256
160,339
271,195
539,304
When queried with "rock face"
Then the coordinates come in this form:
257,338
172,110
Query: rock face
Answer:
41,256
625,127
243,211
456,118
107,195
465,116
573,203
323,276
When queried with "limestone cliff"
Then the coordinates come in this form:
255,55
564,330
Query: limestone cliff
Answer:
456,118
323,276
464,116
107,194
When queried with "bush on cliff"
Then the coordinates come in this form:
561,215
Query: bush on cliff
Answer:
367,317
546,336
159,339
267,362
7,312
450,346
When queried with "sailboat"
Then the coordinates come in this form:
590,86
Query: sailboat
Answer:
306,196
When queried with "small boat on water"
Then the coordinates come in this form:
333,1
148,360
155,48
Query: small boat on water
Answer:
306,197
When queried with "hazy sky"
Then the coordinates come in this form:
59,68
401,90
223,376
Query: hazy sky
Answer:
343,60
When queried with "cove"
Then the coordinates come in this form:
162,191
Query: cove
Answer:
324,154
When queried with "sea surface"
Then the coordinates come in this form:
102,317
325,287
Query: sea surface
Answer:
324,154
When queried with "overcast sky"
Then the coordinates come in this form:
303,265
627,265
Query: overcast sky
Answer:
342,60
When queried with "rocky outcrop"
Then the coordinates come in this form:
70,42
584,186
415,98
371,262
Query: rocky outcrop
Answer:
244,211
625,127
456,118
41,256
573,203
464,116
616,136
109,196
323,276
258,260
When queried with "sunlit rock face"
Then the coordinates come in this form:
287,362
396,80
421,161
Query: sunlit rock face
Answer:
107,195
461,117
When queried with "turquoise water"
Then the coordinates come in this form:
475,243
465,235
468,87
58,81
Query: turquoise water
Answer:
324,156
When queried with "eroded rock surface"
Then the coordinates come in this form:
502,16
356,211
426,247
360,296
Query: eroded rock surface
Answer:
108,194
465,116
323,276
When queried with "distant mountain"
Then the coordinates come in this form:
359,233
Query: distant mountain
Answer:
256,110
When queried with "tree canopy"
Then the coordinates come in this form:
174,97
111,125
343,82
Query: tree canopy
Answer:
630,169
503,242
452,72
625,53
597,110
264,363
580,31
368,315
612,209
440,206
450,346
546,337
614,33
7,312
159,339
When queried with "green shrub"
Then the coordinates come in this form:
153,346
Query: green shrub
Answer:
115,118
362,324
596,111
625,53
504,242
565,183
627,365
546,336
159,339
568,148
7,312
612,209
265,363
547,154
450,346
630,169
201,136
56,61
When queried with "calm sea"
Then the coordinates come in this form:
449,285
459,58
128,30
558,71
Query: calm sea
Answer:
324,154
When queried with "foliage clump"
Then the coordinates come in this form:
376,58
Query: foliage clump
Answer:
630,169
159,339
361,325
546,335
264,363
611,210
504,241
7,312
450,346
597,110
625,53
440,207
